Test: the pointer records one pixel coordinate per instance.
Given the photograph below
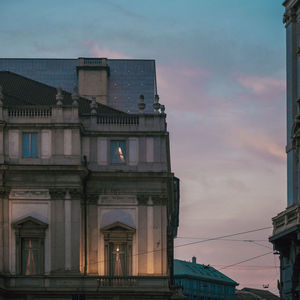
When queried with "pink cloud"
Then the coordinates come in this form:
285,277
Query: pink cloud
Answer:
265,87
180,73
226,153
260,144
96,51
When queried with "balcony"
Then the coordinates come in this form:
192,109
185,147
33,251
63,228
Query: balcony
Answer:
286,219
119,123
40,114
68,283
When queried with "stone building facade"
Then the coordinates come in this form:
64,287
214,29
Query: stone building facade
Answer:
286,225
89,205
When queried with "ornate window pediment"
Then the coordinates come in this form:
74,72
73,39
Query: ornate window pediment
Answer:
29,222
118,226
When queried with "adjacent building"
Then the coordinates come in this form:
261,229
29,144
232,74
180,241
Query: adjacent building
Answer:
202,281
286,225
255,294
88,202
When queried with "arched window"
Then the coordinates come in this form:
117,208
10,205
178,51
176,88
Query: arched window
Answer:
30,238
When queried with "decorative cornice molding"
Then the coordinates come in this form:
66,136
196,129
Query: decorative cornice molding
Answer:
142,199
57,193
29,194
290,16
76,193
117,200
92,198
65,193
4,192
157,200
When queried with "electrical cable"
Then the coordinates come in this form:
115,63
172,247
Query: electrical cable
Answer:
225,239
252,258
193,243
221,237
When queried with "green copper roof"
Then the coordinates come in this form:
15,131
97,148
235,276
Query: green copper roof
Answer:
189,269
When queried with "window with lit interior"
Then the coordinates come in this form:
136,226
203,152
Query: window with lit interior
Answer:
118,152
118,249
30,239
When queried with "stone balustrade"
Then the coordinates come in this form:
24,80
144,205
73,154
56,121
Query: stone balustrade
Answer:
119,123
83,283
286,219
40,114
69,114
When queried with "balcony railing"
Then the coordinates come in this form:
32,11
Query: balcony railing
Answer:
118,120
93,61
89,283
30,112
106,281
286,219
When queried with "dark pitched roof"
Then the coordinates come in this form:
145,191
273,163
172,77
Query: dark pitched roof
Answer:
241,295
128,78
20,91
189,269
249,294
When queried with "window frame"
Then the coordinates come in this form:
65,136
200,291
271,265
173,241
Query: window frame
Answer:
118,233
30,134
30,229
125,141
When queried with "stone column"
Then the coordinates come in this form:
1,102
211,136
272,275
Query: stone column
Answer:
150,248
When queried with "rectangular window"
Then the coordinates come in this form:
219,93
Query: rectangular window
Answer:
30,256
118,152
117,258
30,145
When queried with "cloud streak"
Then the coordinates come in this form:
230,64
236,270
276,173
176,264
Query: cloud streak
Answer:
95,51
263,87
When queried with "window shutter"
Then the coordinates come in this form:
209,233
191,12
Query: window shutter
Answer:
34,145
26,150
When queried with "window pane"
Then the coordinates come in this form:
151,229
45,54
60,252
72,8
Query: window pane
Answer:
118,259
118,152
30,257
30,145
33,145
26,148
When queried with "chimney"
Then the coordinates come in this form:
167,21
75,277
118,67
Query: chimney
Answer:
93,76
194,259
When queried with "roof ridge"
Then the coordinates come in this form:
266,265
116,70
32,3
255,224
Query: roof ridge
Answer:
198,267
29,79
53,88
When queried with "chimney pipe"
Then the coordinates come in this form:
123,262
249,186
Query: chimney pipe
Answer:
194,259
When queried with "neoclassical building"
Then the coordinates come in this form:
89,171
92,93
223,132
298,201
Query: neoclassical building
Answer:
286,225
88,202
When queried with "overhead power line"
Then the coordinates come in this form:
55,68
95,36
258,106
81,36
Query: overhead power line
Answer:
252,258
222,237
193,243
